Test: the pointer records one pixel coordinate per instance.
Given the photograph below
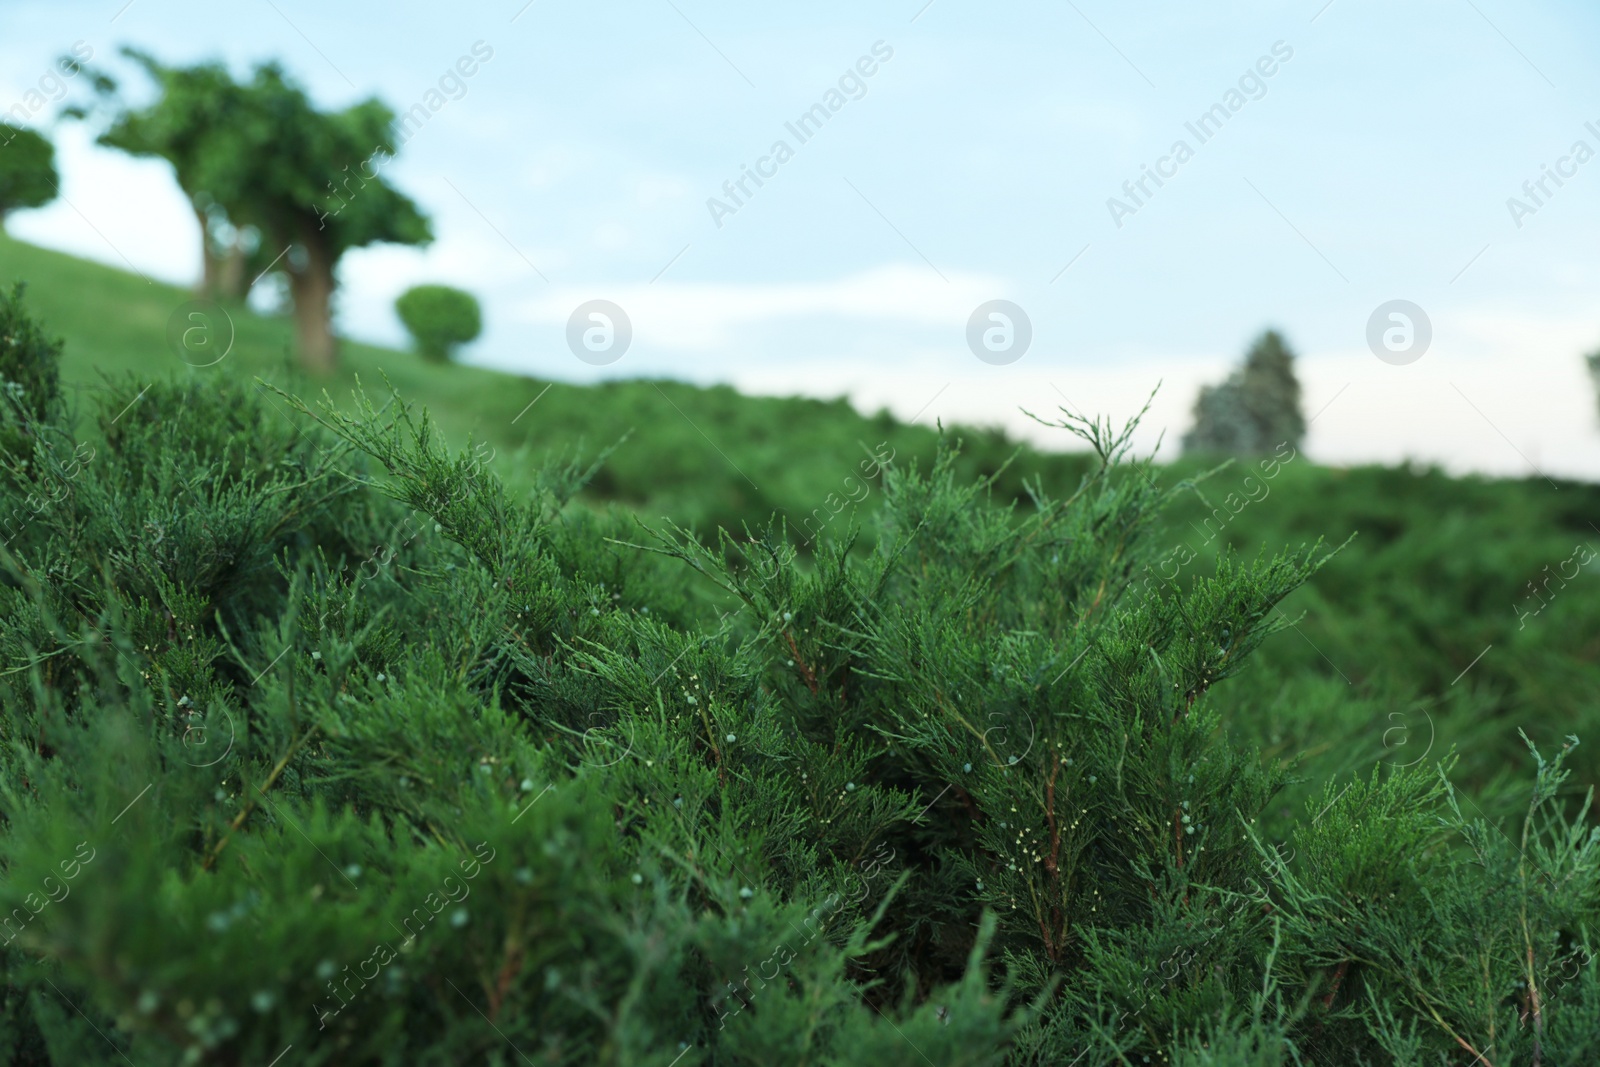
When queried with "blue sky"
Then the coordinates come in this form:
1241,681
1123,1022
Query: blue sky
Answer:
1375,163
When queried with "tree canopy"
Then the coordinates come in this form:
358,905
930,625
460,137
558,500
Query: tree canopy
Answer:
27,169
440,318
259,158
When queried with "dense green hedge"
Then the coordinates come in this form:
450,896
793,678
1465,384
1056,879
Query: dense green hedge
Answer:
440,318
318,740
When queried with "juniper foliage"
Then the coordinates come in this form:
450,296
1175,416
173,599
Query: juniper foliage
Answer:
316,735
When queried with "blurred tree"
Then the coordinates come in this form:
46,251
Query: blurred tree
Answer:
439,318
1256,409
1594,371
27,170
258,156
193,122
285,181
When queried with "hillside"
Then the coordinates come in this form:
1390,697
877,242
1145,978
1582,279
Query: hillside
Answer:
1412,639
703,456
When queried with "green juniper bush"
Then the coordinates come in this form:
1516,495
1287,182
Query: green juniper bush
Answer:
316,736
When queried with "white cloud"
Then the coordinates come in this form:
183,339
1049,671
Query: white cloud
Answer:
706,315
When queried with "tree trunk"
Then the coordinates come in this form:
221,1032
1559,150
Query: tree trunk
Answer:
311,287
208,259
231,281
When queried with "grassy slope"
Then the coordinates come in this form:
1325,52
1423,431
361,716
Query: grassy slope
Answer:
703,456
1375,671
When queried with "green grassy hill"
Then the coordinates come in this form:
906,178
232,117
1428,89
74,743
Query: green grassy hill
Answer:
1412,638
706,457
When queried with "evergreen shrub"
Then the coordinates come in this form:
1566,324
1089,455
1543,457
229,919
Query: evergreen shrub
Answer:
317,743
1256,410
440,318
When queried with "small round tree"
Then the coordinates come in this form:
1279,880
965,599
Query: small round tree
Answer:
439,318
27,170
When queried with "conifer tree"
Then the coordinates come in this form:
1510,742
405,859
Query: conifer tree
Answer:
1255,410
1593,361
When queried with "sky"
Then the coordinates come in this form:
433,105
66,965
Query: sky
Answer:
1352,154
